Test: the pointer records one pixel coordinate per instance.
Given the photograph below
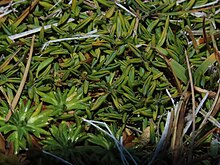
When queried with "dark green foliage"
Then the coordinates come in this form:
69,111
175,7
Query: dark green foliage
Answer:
114,62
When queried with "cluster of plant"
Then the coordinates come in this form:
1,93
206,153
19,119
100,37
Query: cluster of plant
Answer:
147,72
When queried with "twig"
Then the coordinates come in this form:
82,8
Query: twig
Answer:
217,11
217,105
5,2
70,2
18,94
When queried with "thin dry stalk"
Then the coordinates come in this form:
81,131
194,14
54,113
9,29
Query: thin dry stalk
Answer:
193,39
210,118
203,138
216,109
212,108
32,31
188,124
205,35
193,106
18,94
178,125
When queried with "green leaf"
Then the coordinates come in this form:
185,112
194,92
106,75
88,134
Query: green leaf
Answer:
7,128
110,58
179,70
49,98
99,102
77,104
44,64
204,67
13,137
37,131
110,12
164,33
99,140
64,18
46,5
161,50
152,25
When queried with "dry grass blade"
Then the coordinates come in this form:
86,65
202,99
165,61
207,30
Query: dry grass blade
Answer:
212,108
205,35
136,25
210,118
178,125
32,31
216,51
88,35
18,94
188,124
25,13
202,139
217,104
4,2
193,39
193,106
111,62
200,90
118,4
206,4
8,61
168,62
191,11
